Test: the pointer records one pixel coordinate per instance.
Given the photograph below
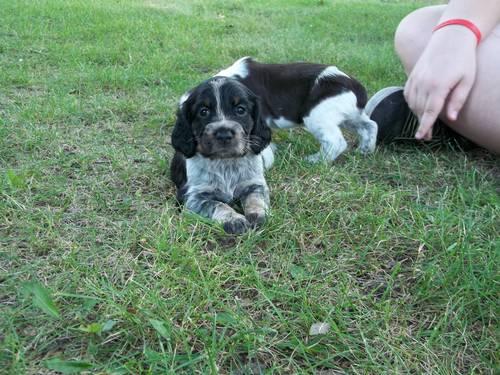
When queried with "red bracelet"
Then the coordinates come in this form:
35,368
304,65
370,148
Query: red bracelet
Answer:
461,22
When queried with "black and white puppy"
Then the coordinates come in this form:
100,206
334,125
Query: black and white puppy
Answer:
221,145
222,133
321,97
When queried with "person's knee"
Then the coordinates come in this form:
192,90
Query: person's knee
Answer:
413,34
408,40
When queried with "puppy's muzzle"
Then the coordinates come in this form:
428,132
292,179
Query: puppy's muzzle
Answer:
223,139
224,135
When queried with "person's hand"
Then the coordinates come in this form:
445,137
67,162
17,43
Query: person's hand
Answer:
442,77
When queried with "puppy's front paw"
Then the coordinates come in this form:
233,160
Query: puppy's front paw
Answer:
236,225
256,219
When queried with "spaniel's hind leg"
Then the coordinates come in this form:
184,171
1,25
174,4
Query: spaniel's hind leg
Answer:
366,130
332,144
324,121
268,155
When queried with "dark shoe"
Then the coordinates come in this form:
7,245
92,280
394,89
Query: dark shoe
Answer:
397,123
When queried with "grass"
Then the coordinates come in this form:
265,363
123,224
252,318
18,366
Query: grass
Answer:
398,252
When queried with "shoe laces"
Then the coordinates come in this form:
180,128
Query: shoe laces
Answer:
440,136
409,127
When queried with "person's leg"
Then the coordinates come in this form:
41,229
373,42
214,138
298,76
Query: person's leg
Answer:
479,119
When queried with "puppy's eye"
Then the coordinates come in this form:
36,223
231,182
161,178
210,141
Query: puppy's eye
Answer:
241,111
204,112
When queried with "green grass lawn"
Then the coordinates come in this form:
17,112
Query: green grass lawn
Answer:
398,252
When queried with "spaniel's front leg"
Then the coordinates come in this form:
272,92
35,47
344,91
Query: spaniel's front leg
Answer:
255,202
213,205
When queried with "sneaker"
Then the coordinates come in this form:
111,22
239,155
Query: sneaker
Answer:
398,124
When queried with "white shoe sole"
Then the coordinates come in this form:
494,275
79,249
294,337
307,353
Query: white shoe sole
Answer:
378,97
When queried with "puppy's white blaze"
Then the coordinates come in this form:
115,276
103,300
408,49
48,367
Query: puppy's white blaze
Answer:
268,156
239,68
324,120
331,71
282,123
216,84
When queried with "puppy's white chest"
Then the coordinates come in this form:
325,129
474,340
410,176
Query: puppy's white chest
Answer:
223,174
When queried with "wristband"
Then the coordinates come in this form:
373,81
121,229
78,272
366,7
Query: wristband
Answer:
461,22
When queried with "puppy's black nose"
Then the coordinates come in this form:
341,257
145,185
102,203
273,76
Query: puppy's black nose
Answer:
224,134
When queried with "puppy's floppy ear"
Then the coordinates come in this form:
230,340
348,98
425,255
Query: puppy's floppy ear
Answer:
260,135
183,139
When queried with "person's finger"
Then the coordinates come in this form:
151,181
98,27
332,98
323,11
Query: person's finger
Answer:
411,95
431,111
457,98
421,97
406,90
421,94
428,135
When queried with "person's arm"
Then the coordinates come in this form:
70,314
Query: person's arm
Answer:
445,72
485,14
